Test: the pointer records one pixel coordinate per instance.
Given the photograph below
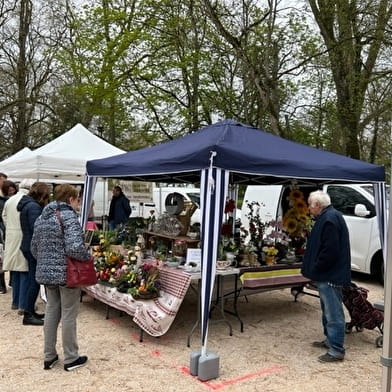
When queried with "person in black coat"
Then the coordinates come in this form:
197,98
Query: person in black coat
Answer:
119,209
327,262
30,207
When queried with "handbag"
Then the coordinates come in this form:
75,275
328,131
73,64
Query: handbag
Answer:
79,273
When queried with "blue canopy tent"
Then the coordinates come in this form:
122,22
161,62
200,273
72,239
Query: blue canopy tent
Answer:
219,154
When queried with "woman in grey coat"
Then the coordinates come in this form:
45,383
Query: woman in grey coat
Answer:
55,237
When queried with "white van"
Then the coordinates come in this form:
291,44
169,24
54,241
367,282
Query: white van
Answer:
143,202
354,201
189,193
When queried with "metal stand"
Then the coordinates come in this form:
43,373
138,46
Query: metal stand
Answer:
219,305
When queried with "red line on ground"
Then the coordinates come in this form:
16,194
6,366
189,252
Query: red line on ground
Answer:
220,385
261,372
115,321
185,370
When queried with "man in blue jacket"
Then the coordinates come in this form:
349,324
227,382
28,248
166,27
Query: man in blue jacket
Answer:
327,262
119,209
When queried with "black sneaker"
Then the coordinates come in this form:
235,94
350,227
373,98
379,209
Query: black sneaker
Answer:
329,358
49,364
81,361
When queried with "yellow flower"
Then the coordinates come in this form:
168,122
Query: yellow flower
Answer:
303,218
271,251
300,205
291,225
296,194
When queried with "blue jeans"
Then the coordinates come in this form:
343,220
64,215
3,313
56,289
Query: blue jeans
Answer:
332,317
32,290
19,287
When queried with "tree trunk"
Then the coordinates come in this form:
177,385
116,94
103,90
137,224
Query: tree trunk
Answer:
353,51
24,27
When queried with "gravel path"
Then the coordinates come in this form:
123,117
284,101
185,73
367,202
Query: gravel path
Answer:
273,354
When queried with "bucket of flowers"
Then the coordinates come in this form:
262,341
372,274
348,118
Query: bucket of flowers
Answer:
106,262
297,221
147,282
270,252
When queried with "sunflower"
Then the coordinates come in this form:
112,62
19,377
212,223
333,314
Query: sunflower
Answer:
301,206
290,214
291,225
303,218
296,194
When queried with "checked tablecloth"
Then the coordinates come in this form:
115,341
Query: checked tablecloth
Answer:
154,316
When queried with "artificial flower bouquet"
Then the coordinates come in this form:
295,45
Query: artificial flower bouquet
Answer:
270,250
147,283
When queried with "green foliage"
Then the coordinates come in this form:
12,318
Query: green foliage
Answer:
147,71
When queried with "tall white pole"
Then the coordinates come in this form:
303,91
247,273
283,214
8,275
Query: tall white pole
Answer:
386,358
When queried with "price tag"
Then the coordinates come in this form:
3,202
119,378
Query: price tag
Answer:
193,255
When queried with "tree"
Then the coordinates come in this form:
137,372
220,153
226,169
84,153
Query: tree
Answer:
103,51
27,45
269,43
354,33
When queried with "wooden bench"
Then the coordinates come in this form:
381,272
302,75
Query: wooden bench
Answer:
255,280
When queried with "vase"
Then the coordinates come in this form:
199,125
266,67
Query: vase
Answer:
270,260
230,256
253,260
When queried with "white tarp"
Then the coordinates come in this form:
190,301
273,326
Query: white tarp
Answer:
61,160
23,153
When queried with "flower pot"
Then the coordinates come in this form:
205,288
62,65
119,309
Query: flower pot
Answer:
270,260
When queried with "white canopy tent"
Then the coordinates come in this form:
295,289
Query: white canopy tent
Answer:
61,160
21,154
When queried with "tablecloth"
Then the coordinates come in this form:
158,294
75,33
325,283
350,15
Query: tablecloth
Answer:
155,316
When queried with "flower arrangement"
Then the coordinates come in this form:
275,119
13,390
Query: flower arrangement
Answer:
230,206
270,250
275,233
124,270
297,221
106,261
147,283
107,264
256,225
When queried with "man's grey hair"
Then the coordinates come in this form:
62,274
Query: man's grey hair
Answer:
320,196
26,183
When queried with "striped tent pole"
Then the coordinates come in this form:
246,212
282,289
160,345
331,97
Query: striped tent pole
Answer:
88,192
213,190
380,200
386,357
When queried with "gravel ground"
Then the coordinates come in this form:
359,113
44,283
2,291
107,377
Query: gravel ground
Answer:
273,354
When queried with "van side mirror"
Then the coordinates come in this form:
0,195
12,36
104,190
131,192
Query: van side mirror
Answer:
360,210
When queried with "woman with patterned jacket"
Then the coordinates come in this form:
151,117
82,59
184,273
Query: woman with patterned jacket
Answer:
57,234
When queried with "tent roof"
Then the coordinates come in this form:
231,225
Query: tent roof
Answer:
251,156
23,153
63,159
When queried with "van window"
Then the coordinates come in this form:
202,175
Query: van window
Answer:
370,189
344,200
